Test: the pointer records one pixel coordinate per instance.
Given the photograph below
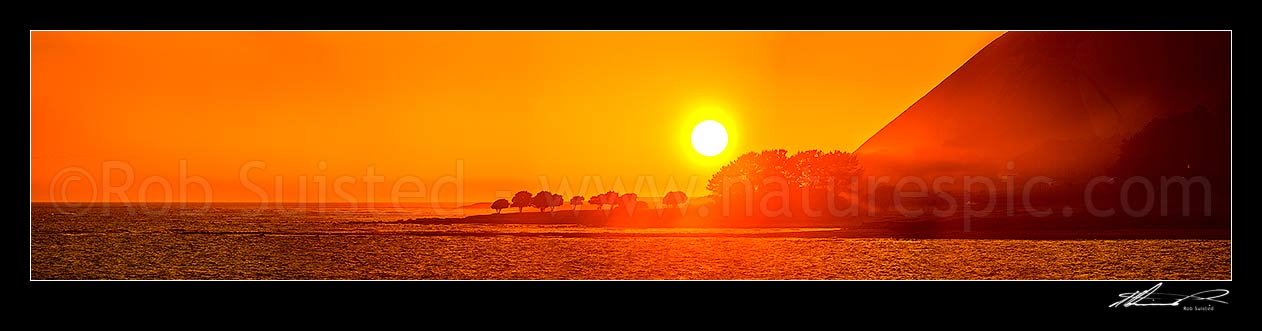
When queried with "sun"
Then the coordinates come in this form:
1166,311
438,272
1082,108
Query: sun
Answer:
709,138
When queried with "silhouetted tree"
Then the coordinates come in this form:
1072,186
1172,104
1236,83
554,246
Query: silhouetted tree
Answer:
607,198
610,198
542,200
576,201
743,170
521,200
628,201
674,198
557,201
499,205
814,169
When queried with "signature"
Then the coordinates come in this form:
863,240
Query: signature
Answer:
1151,297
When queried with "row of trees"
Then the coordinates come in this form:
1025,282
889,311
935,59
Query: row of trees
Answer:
547,201
808,170
773,183
812,174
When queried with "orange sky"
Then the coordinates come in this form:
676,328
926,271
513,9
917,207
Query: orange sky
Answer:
507,107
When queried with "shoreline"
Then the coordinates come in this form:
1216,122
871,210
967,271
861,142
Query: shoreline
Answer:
1019,227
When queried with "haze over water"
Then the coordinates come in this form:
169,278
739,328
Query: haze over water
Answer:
232,241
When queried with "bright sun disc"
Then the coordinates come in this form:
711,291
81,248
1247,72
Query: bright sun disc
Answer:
709,138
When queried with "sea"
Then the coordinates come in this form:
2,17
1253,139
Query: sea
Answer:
251,241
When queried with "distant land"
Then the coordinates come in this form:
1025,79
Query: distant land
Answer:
487,205
479,205
1001,227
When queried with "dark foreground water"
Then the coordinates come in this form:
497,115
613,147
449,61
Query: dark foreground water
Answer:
241,242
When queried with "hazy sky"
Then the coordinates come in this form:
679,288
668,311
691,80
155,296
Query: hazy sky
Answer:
504,107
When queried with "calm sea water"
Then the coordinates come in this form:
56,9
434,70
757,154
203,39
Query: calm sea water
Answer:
248,242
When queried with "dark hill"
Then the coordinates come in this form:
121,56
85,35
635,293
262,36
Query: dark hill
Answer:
1055,103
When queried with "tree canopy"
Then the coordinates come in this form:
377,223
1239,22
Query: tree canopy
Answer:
810,169
600,200
521,200
499,205
543,200
674,198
